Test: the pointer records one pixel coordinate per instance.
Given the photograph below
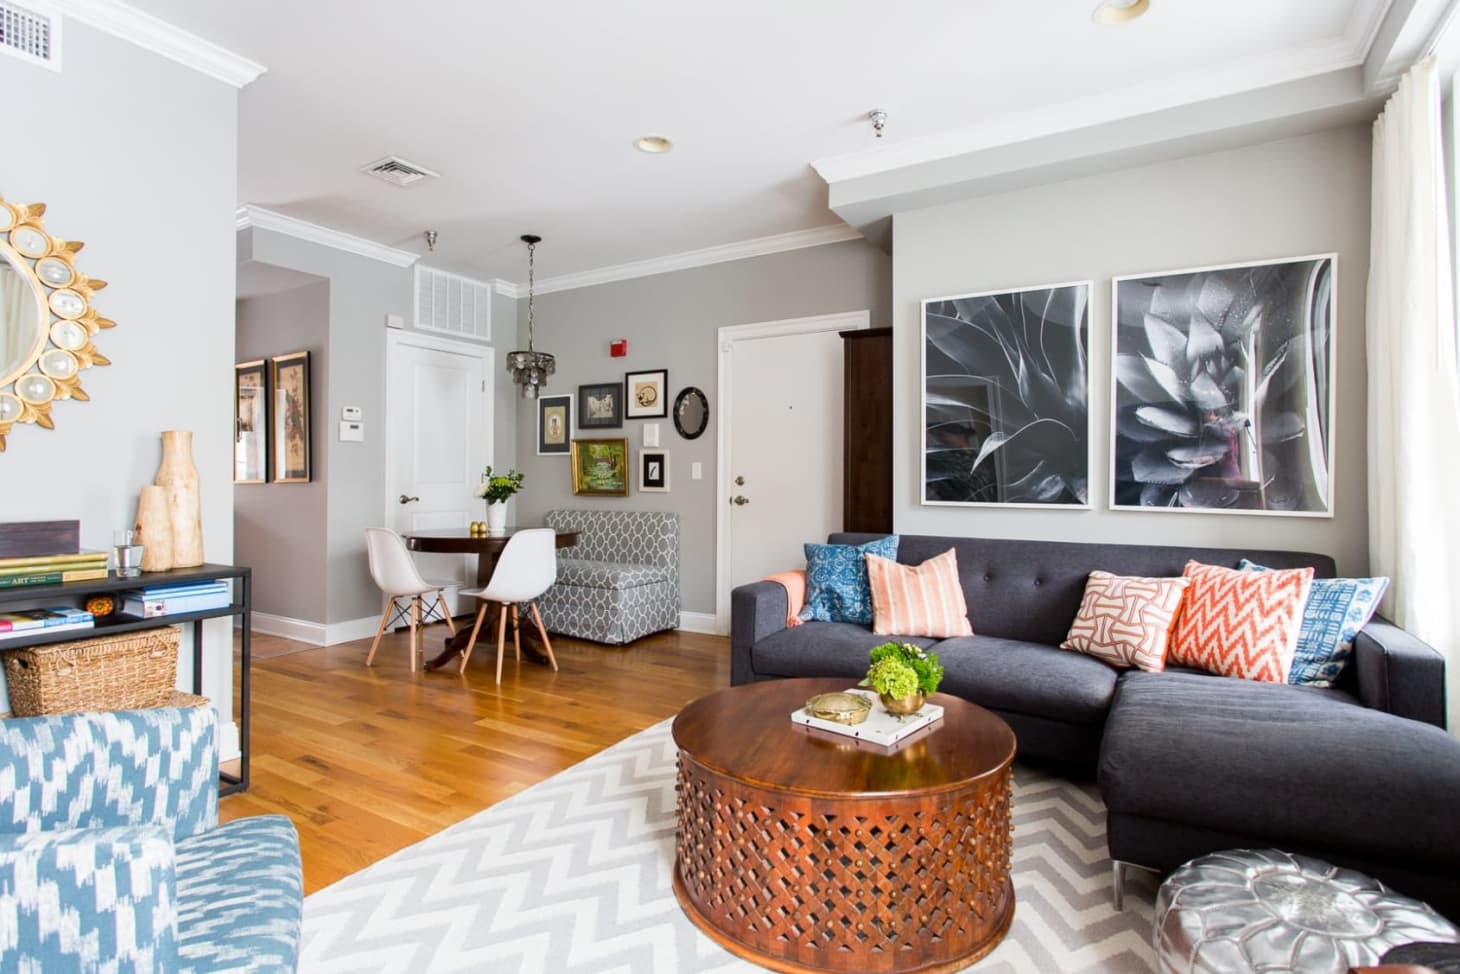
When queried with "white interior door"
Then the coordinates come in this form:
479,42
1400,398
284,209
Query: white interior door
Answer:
782,470
439,433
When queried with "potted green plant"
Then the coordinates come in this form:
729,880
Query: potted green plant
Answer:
903,675
497,490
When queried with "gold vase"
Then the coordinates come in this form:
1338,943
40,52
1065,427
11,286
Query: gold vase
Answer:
178,478
904,706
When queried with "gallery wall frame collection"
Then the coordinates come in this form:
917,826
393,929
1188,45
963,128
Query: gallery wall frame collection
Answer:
271,420
1222,392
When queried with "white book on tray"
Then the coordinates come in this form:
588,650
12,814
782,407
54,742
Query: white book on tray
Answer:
880,727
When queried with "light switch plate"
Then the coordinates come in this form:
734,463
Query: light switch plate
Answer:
651,434
696,472
352,413
352,432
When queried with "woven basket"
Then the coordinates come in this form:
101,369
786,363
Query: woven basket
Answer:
178,699
131,671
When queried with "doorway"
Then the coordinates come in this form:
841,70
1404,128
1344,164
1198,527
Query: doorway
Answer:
780,464
438,416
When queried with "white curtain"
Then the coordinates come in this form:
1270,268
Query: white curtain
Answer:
1414,399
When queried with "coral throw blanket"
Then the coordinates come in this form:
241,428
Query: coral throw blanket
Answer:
795,585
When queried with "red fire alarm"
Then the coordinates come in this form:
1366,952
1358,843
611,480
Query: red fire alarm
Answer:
619,347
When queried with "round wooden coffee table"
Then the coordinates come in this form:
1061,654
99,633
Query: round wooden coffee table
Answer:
806,851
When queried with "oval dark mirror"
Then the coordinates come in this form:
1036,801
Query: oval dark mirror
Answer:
691,413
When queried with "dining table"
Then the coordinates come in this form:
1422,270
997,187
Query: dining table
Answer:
488,548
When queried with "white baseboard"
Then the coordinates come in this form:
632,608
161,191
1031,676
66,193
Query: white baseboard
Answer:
700,622
314,633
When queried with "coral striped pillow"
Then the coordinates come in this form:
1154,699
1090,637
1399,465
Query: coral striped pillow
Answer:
1242,624
1126,621
918,600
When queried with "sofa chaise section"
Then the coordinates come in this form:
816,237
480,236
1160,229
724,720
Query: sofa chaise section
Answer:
620,582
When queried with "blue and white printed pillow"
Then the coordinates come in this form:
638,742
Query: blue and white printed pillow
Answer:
837,589
1337,609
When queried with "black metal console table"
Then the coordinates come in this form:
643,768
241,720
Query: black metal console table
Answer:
241,605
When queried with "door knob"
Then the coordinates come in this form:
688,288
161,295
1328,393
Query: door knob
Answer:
406,500
739,500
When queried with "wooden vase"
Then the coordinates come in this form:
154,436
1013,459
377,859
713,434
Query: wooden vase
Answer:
178,478
154,529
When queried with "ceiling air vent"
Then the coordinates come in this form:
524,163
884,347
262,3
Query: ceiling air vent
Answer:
394,169
31,33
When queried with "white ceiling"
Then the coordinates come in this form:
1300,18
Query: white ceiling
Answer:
529,110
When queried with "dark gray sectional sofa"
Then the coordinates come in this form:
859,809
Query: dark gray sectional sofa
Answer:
1362,775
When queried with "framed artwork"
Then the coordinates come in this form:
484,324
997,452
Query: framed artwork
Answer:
647,394
601,467
251,422
1006,398
291,418
654,471
1223,396
600,406
554,425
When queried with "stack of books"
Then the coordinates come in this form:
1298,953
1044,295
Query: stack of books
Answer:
32,622
83,566
169,600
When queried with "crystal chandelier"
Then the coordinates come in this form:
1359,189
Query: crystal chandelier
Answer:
530,369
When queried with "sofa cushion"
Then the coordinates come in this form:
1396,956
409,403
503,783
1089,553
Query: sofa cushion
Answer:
1281,762
240,893
923,600
608,574
836,580
821,649
1126,621
1027,678
1238,623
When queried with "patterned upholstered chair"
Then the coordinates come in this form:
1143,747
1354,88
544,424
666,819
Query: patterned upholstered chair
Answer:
620,581
112,858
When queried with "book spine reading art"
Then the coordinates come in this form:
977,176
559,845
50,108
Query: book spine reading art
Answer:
41,578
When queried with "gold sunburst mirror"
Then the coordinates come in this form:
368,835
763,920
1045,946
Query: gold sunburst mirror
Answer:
47,323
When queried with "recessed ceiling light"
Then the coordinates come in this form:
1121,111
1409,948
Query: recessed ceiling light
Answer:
653,143
1113,12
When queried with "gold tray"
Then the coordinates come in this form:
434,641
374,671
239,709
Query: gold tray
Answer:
843,708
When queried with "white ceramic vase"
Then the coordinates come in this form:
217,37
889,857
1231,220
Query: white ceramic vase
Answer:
497,518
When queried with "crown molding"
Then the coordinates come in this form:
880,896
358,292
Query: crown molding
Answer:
262,219
1234,78
722,253
506,288
158,36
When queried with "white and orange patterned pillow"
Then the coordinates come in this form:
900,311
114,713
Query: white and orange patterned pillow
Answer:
918,600
1242,624
1126,621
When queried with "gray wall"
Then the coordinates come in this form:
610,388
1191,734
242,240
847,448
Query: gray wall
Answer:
671,321
151,189
361,293
1299,196
279,529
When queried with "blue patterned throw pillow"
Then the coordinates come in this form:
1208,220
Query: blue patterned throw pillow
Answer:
1337,609
836,580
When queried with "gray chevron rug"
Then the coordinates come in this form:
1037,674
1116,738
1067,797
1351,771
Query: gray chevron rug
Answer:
572,876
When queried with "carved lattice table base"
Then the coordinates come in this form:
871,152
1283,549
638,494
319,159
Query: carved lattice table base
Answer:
906,869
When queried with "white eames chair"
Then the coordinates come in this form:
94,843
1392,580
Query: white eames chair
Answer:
395,573
528,567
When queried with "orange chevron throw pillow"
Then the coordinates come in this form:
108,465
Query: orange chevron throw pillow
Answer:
1126,621
1242,624
918,600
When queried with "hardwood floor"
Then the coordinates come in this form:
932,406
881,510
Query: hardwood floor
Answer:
367,761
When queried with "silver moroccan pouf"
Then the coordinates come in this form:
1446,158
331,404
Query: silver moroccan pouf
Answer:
1264,910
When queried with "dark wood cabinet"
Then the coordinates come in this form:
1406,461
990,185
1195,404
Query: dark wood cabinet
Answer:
867,430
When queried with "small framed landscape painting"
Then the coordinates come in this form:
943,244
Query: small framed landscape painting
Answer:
1006,398
251,422
1224,389
601,467
554,425
646,394
291,418
601,406
654,471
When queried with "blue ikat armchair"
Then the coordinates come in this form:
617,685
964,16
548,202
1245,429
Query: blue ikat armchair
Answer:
112,858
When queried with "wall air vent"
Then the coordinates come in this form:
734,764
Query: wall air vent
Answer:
31,33
453,305
394,170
